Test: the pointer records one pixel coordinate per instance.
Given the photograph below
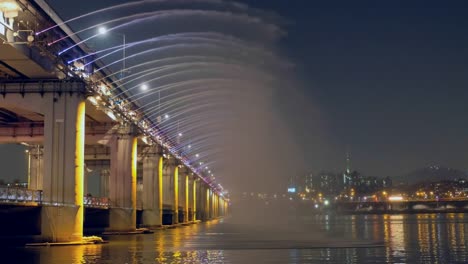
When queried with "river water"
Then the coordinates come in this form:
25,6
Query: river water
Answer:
412,238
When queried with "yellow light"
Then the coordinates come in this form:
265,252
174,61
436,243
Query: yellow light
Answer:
134,173
160,185
176,192
194,200
79,168
186,196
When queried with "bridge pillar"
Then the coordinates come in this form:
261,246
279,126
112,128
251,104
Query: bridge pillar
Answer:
205,193
152,189
209,206
183,195
62,209
171,190
175,190
35,167
199,200
122,185
215,205
193,198
187,198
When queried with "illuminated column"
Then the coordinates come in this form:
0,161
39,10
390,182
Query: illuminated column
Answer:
35,167
200,200
185,195
208,203
221,207
62,207
181,197
171,190
215,205
175,181
193,203
122,185
152,188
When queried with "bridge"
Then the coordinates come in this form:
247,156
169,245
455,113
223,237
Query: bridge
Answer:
455,205
72,122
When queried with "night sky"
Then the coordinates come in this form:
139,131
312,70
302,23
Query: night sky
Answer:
385,81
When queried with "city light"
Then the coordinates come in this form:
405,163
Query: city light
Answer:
395,198
144,87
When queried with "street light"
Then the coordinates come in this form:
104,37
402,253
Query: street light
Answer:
103,31
144,87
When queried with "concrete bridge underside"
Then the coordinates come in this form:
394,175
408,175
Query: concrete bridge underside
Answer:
65,132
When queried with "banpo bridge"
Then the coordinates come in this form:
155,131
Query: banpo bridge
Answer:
70,121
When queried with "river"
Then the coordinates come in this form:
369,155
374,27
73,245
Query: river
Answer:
411,238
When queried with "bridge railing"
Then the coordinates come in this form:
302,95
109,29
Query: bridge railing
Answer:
20,195
96,202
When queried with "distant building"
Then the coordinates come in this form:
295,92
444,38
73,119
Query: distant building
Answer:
292,185
330,183
387,182
347,173
309,182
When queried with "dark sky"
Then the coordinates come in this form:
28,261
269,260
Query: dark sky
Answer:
386,80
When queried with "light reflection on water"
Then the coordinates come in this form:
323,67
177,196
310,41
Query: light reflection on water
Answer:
424,238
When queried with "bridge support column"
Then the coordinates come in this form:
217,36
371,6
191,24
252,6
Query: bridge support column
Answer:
199,198
122,186
187,199
209,199
152,189
62,209
192,198
171,191
35,167
183,195
204,200
175,189
215,205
